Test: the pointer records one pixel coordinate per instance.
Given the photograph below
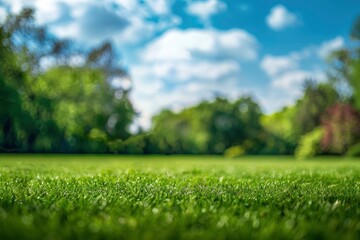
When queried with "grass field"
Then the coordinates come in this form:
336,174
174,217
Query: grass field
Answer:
201,197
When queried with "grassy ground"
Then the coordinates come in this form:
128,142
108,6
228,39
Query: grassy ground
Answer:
202,197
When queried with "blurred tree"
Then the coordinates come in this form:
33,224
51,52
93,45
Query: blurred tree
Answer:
345,64
282,135
316,99
355,81
13,118
355,31
25,114
287,126
47,102
105,57
86,107
33,45
210,127
310,144
173,133
341,125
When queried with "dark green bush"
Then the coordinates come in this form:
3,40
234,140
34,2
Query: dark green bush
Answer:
354,151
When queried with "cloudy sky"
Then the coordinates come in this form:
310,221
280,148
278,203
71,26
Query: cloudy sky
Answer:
181,52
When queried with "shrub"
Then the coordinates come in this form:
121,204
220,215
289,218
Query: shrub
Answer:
354,151
133,145
309,144
341,128
234,151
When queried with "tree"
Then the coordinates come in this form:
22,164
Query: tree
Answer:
282,136
345,65
341,125
210,127
310,108
85,107
58,106
33,44
15,120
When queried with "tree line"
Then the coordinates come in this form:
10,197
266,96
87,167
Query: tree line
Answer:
58,97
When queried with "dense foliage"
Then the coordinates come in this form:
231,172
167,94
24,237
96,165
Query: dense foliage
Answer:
56,98
210,127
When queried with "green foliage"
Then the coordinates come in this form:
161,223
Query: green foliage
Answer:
311,107
66,197
294,125
60,108
275,145
133,145
234,151
345,66
85,107
354,151
210,127
282,138
355,82
15,120
175,133
341,124
355,31
310,144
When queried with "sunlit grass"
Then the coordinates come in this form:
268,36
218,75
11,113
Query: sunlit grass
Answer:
169,197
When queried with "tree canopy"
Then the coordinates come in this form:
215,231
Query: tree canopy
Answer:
51,104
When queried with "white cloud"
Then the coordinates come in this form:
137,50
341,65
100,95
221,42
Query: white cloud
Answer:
186,70
3,14
284,89
332,45
185,45
15,5
273,65
287,73
180,97
281,18
159,7
47,11
140,30
191,82
205,9
91,21
183,67
292,81
211,71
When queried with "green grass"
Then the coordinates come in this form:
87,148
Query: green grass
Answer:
201,197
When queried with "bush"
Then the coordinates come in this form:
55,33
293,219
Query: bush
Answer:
309,144
341,128
234,151
275,145
133,145
354,151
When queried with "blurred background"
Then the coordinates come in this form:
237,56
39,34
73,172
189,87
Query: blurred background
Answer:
180,77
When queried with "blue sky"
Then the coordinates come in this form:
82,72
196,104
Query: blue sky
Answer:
179,53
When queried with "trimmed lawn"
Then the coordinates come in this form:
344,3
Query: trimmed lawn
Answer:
178,197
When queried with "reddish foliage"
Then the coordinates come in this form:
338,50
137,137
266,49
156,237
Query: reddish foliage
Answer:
341,123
